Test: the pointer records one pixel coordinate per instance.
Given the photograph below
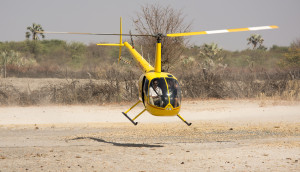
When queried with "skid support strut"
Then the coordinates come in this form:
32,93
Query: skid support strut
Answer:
187,123
132,120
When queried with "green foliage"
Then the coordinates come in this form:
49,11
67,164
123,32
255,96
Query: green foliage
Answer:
210,51
13,58
8,57
210,56
33,31
291,59
256,41
52,56
236,59
77,54
53,45
16,46
278,49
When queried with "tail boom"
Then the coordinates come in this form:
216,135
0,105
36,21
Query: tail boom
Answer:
146,67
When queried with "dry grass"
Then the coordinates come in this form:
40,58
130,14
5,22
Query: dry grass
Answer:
121,86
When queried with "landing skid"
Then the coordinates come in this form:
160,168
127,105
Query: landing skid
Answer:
132,120
135,123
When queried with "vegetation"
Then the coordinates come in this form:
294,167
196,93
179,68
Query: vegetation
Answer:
291,58
212,72
156,19
205,71
57,58
33,31
254,40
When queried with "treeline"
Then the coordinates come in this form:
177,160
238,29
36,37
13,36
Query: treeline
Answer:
204,71
57,58
54,58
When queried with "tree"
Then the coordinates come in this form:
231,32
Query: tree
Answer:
156,19
33,29
33,32
210,51
256,39
77,53
292,57
296,44
210,55
7,57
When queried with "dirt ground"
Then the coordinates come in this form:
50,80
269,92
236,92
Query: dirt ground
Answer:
226,135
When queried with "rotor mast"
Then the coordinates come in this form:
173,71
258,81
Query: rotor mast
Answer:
157,67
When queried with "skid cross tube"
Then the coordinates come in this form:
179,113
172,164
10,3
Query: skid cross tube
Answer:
187,123
133,106
139,114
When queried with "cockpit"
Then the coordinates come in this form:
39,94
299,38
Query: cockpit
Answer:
162,92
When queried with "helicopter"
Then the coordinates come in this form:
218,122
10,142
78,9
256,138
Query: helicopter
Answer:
158,91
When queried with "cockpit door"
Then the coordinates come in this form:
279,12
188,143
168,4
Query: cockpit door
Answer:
145,90
158,93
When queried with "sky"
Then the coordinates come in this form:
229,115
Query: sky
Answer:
102,16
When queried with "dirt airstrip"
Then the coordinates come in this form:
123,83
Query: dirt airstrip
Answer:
230,135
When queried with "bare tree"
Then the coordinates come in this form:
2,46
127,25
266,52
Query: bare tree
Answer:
156,19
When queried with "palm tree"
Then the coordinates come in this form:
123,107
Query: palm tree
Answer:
255,39
33,29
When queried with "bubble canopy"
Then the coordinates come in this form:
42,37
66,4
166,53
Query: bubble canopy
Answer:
162,92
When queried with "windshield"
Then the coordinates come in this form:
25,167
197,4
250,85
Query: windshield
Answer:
160,96
174,92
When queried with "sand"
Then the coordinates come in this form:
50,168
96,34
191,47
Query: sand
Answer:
226,135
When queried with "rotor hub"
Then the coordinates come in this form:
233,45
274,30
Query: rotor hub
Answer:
158,37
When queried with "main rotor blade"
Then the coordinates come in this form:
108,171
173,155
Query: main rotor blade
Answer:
79,33
222,31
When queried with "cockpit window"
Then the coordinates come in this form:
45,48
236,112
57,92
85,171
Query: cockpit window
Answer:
158,92
174,92
146,86
164,91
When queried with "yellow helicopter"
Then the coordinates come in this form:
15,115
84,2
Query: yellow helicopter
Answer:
159,91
